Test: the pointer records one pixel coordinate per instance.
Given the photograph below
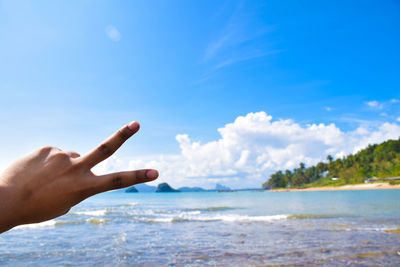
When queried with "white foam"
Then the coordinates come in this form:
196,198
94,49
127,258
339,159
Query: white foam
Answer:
121,239
225,218
46,224
161,220
241,218
376,229
196,212
92,212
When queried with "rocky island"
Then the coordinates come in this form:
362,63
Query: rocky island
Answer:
165,188
131,189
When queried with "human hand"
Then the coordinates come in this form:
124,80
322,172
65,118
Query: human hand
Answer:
48,182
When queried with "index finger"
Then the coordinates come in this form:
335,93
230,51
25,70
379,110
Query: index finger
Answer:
109,146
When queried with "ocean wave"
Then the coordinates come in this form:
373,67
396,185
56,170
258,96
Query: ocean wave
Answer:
46,224
126,206
96,221
218,208
224,218
241,218
59,223
91,212
195,212
54,223
311,216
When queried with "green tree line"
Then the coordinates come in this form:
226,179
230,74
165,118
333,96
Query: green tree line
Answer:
379,160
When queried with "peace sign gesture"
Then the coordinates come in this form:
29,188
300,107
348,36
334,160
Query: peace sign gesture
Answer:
48,182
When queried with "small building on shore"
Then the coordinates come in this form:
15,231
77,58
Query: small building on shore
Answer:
386,179
370,180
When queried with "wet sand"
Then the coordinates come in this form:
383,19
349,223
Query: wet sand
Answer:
341,188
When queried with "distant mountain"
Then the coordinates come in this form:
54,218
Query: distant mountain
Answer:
191,189
222,187
165,188
131,189
145,188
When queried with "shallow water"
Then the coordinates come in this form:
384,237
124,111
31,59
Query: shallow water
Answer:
215,229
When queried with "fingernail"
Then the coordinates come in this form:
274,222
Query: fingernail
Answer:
133,126
152,174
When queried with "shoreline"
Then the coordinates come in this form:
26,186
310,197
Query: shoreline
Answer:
340,188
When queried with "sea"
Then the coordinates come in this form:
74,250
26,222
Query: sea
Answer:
244,228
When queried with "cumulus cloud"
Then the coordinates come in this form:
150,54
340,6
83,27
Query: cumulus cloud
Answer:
113,33
373,104
253,146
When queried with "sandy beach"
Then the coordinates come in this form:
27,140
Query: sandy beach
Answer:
341,188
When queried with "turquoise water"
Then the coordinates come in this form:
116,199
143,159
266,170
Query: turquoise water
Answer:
215,229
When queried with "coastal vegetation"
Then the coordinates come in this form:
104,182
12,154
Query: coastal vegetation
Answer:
378,161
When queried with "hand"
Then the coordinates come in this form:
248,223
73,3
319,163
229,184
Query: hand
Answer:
48,182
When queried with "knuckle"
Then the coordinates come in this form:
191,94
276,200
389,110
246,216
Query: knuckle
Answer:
62,156
105,149
124,133
116,182
46,149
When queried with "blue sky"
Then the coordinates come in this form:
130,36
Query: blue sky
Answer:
73,72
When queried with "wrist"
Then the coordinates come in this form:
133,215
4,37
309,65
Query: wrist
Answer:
7,220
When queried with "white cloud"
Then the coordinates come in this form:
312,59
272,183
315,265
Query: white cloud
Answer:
398,119
113,33
254,146
394,100
373,104
328,108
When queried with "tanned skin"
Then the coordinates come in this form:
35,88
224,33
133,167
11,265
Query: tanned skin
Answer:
48,182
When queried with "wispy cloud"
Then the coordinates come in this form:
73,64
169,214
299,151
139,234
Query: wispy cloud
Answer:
243,58
233,37
240,39
328,108
213,48
394,100
113,33
352,119
230,61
